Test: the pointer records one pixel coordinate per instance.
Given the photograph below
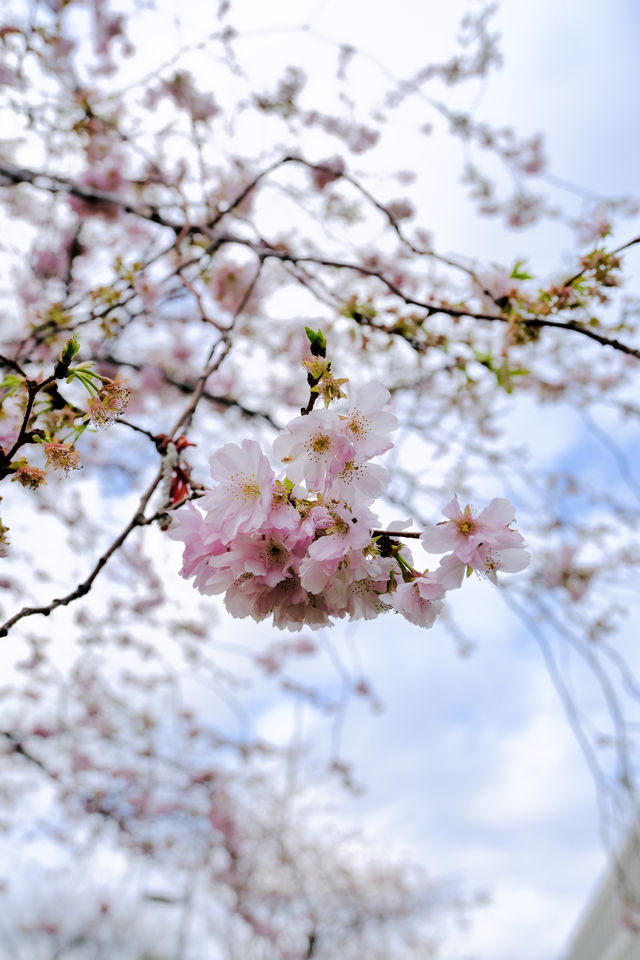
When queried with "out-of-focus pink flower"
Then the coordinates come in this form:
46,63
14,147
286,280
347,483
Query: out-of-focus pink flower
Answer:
332,169
400,209
563,571
181,89
596,227
50,263
8,439
105,178
230,283
148,291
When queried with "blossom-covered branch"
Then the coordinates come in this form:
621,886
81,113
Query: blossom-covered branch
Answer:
302,548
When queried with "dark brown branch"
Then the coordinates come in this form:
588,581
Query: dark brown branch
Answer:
12,365
54,184
625,246
247,190
137,429
396,533
586,331
58,185
33,388
431,309
17,747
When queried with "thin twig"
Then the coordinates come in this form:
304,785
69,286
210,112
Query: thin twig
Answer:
396,533
83,588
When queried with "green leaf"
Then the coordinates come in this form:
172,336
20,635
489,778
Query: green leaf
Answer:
518,273
69,351
317,340
502,372
11,384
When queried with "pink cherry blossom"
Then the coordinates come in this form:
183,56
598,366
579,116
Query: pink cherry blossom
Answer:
367,424
241,501
314,448
359,483
369,581
485,543
188,525
464,532
348,532
148,291
307,554
452,570
282,515
332,169
49,263
510,560
105,178
419,601
267,558
289,604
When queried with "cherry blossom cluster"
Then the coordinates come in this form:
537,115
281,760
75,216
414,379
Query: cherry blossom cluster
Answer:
305,547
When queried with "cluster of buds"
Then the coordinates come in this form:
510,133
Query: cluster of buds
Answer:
51,421
304,547
176,474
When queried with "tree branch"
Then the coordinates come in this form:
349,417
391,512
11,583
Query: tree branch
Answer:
83,588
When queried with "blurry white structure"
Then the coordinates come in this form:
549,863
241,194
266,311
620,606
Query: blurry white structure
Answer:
610,926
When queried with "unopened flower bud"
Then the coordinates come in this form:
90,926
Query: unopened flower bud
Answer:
67,354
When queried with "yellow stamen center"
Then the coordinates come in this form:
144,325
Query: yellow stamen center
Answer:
320,443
